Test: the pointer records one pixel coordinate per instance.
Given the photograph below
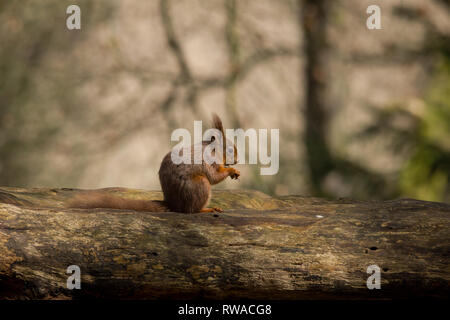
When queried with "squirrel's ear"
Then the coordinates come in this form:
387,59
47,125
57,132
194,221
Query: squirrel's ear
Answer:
217,123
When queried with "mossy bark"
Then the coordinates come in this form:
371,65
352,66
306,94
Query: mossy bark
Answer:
260,247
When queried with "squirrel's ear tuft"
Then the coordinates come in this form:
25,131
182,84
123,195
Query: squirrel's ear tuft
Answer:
217,123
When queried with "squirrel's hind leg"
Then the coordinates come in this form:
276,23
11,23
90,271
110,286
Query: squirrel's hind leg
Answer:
213,209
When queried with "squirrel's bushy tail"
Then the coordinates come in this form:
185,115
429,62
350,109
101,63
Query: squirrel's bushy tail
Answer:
101,200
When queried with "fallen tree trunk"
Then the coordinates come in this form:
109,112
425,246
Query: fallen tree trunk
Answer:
260,247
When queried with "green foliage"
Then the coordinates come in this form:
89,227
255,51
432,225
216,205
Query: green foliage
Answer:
424,138
426,173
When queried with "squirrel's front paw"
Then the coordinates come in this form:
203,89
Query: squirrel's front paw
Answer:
234,174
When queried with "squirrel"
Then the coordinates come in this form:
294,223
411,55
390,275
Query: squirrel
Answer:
186,187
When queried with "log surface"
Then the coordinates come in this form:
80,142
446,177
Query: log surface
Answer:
261,247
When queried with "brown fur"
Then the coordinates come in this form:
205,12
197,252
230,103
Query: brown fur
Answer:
217,123
103,200
186,187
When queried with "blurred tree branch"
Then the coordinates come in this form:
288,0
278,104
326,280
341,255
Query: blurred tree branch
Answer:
313,17
185,76
232,41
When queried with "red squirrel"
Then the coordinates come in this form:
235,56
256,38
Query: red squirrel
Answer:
186,187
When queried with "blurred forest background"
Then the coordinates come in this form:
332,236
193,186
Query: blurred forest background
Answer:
362,113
